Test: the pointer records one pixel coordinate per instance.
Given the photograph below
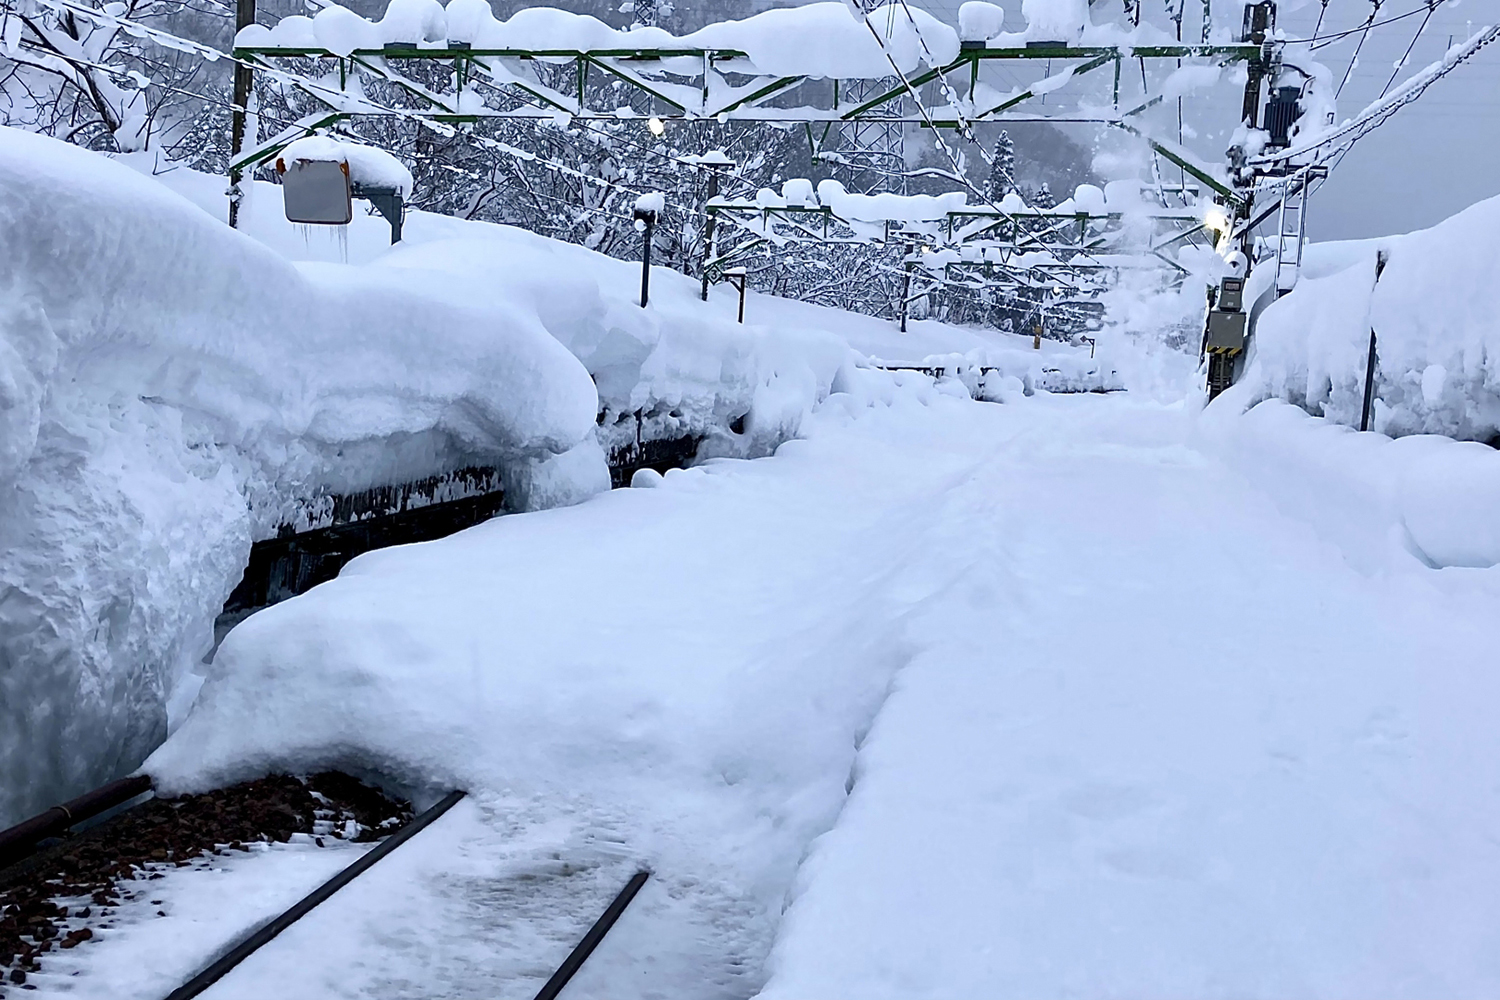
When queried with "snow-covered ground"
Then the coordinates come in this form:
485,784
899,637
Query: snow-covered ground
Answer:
180,916
1162,741
1116,718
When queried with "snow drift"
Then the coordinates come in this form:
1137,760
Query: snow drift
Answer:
1378,500
167,387
1433,310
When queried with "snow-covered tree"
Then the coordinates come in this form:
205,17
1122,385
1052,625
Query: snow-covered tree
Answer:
69,77
1002,178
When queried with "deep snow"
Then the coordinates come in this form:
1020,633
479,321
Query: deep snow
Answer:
1066,696
1433,311
171,390
675,676
1118,721
1163,740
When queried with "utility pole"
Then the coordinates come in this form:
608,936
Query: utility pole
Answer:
1226,321
244,81
908,266
708,226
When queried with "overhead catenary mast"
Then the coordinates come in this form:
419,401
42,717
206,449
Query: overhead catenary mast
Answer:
873,150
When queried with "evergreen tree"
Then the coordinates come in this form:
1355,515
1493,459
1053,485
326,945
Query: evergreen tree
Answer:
1003,171
1044,198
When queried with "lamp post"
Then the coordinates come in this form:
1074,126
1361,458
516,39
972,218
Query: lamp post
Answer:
645,224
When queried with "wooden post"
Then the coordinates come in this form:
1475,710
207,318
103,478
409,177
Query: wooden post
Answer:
906,290
244,81
739,278
1369,401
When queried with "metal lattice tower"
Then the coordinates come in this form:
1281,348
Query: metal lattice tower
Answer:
874,151
648,12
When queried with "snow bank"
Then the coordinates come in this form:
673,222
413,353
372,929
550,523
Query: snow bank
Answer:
169,388
1379,500
815,40
688,368
1433,311
674,370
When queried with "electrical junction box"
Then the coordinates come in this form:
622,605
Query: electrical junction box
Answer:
1226,331
1232,294
1281,114
316,192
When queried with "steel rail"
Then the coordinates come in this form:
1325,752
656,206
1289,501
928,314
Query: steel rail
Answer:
21,839
585,947
247,947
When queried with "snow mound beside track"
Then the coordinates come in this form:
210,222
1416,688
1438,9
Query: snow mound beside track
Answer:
167,384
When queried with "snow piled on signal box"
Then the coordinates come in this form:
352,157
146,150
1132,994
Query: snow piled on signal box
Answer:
367,165
167,386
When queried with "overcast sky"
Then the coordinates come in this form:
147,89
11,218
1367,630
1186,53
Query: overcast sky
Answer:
1434,157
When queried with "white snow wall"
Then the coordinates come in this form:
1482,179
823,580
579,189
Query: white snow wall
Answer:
160,375
1436,316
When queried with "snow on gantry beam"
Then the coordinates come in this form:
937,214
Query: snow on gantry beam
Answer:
1010,243
709,92
767,55
654,62
821,40
1116,201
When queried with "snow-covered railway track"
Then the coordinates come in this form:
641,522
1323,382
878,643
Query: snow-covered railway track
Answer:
252,943
112,865
61,889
